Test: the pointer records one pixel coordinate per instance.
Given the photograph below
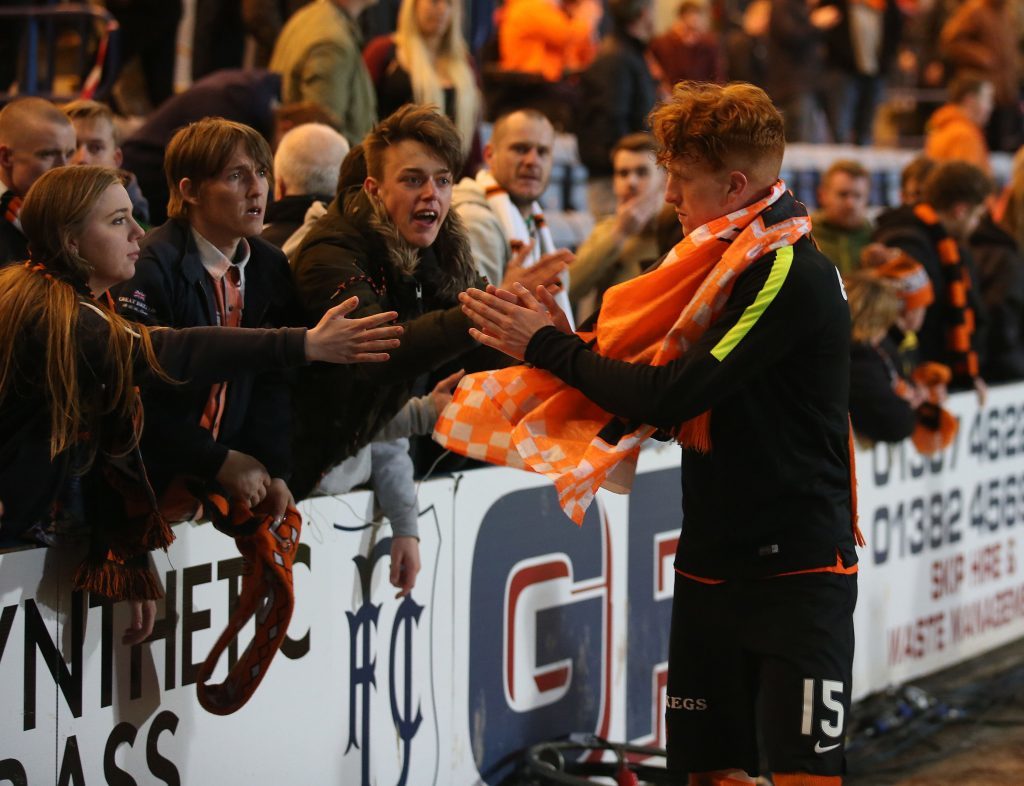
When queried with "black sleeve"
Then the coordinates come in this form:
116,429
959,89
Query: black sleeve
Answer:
204,355
721,360
196,356
876,411
329,275
1003,296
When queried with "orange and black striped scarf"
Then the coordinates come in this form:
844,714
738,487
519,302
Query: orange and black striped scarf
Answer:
958,315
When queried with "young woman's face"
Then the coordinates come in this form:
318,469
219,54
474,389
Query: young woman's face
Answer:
433,17
109,240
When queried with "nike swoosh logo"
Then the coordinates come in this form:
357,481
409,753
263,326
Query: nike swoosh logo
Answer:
819,749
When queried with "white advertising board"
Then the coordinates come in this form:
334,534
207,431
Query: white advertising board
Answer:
352,685
522,627
941,577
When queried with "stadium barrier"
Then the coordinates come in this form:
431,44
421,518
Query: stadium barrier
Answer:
521,628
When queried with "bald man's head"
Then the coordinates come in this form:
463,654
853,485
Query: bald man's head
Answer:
35,137
520,155
307,160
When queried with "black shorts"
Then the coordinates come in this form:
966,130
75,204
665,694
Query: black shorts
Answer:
760,664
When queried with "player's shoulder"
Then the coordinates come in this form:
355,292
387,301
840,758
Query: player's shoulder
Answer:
813,275
797,280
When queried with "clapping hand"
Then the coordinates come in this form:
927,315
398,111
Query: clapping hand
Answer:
506,320
546,271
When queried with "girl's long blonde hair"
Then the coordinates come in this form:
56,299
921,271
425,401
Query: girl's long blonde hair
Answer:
452,61
874,304
44,297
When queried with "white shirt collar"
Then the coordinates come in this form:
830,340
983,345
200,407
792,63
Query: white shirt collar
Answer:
216,263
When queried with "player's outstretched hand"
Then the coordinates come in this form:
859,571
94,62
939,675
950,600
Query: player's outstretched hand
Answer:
337,339
503,324
558,317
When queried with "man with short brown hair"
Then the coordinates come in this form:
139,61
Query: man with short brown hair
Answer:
500,207
737,345
935,232
841,225
625,243
208,266
99,144
35,137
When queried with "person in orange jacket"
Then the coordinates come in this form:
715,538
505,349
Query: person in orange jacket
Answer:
955,132
548,37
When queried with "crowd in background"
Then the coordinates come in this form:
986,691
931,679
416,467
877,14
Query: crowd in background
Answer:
272,192
831,64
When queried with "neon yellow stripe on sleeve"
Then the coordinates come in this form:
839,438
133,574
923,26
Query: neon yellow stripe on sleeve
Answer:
780,269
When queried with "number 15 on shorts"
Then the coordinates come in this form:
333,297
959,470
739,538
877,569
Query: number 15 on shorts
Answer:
832,716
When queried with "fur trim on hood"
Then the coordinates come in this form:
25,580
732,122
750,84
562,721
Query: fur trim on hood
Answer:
451,248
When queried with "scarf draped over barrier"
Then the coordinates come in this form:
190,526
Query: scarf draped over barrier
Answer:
269,547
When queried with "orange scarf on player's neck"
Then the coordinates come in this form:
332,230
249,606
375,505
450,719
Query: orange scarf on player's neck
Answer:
526,418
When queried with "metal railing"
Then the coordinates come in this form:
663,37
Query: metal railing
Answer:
37,55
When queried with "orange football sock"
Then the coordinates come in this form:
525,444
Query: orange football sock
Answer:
804,779
716,779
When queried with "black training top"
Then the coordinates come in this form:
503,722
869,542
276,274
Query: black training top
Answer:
773,495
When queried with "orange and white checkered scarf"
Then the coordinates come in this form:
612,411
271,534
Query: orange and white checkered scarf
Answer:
527,418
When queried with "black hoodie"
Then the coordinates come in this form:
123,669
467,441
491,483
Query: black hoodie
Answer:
1001,281
354,250
902,229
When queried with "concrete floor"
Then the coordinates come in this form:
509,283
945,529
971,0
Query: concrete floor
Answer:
985,748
